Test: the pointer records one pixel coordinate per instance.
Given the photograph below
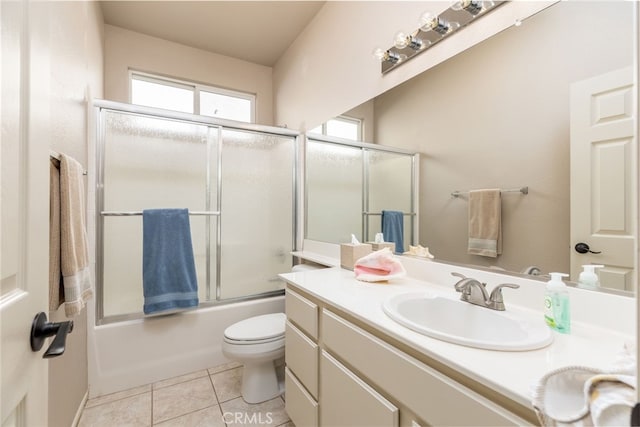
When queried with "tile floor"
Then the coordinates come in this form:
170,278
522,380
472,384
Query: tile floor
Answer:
210,397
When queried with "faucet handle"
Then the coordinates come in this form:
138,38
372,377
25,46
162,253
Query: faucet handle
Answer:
496,301
460,275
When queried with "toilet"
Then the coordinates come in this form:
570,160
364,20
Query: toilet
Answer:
256,343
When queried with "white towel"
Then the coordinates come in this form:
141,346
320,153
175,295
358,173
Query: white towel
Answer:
485,223
74,252
583,396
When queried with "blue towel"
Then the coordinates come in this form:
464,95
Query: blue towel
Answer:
393,229
168,270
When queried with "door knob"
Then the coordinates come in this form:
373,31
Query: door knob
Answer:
583,248
41,329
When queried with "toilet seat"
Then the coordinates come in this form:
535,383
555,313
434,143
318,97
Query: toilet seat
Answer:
256,330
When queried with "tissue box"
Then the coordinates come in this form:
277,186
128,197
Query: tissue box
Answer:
378,246
350,253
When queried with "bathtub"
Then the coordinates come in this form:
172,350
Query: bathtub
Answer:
132,353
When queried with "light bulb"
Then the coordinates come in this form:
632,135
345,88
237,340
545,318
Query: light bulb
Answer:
401,40
474,7
427,21
379,53
459,5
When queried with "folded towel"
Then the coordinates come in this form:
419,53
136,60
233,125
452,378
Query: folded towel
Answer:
393,229
168,268
74,249
56,290
583,396
378,266
485,228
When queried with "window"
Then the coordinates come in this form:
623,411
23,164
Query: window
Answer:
341,127
160,92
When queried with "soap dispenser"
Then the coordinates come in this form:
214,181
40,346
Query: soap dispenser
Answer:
588,278
556,304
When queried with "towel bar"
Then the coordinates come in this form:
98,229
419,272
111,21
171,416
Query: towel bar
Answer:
380,213
139,213
523,190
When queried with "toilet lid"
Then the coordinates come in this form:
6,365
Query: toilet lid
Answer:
257,328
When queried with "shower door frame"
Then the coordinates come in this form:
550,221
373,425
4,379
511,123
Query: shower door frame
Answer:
366,148
98,106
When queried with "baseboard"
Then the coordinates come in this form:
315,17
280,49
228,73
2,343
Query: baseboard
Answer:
76,419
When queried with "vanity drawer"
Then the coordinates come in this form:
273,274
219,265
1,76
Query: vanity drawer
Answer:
300,406
349,401
301,356
433,397
302,312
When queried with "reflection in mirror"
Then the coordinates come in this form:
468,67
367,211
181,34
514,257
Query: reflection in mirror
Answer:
499,115
349,184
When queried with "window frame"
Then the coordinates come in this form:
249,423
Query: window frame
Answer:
347,119
195,87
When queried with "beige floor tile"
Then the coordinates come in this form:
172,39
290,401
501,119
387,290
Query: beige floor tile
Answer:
180,379
183,398
227,384
117,396
131,411
208,417
224,367
238,413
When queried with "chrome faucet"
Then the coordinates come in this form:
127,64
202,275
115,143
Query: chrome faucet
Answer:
475,292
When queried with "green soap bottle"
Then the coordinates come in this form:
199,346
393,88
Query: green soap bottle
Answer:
557,310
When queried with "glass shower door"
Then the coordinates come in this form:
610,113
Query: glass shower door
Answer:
256,212
389,187
152,163
334,192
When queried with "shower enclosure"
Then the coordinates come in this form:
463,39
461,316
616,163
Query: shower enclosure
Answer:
237,180
349,184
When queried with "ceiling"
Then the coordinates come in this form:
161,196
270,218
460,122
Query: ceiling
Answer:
255,31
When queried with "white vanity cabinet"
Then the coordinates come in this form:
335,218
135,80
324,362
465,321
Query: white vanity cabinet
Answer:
301,358
361,377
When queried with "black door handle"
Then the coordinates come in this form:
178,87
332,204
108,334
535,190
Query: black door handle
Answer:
583,248
41,329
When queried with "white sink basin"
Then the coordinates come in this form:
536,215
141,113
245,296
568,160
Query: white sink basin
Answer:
462,323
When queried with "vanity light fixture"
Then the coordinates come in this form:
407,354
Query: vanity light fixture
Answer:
432,29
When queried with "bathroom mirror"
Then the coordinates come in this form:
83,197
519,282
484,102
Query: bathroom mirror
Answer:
499,116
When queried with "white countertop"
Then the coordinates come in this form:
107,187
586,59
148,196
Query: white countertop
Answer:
510,373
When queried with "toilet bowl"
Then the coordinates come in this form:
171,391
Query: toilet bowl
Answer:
256,343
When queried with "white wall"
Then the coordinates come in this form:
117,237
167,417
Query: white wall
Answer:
76,45
125,50
329,69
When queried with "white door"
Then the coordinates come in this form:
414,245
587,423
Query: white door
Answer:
24,211
603,177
